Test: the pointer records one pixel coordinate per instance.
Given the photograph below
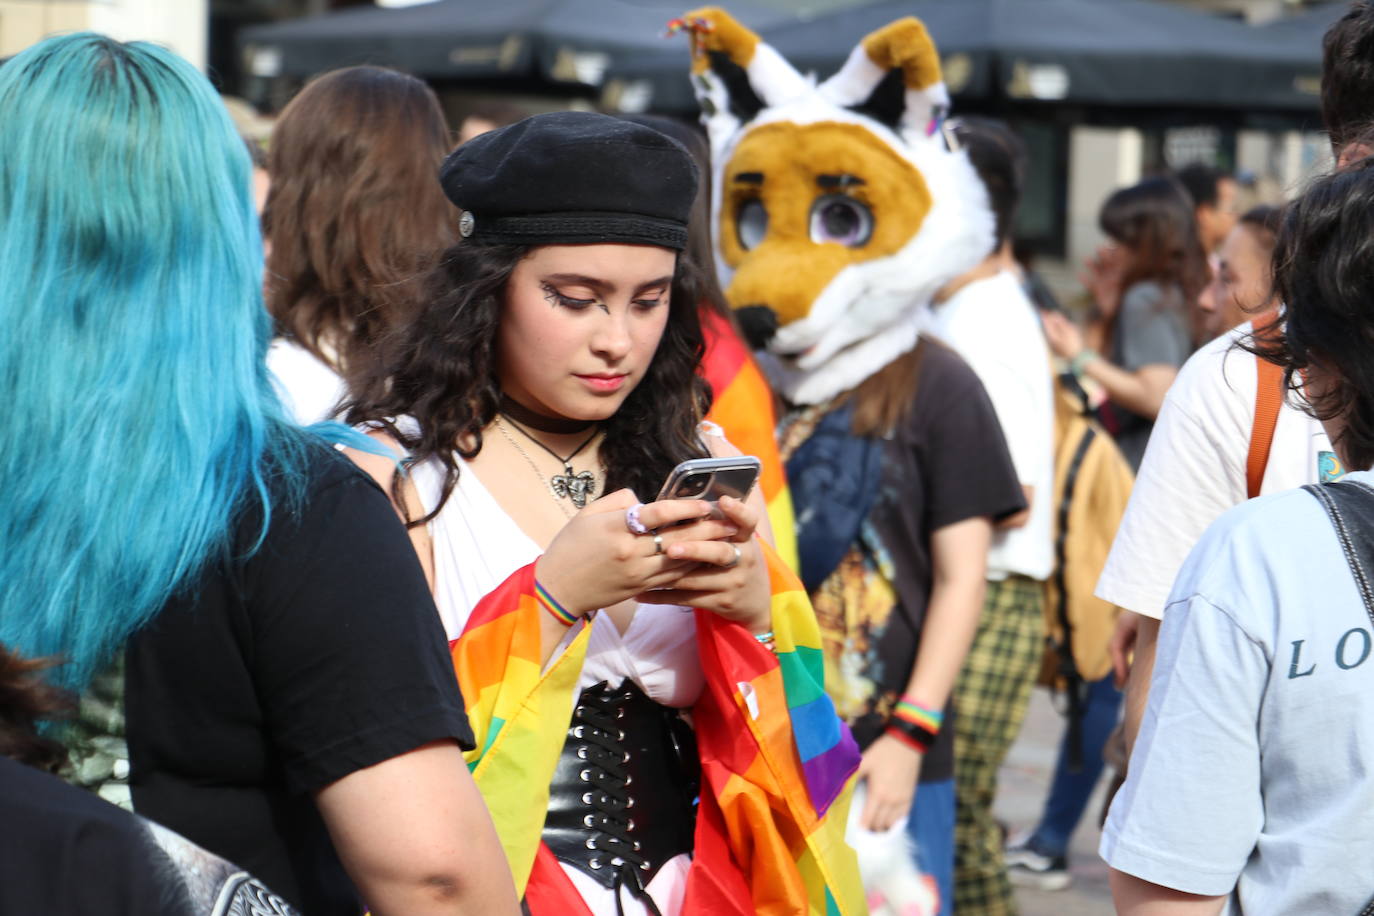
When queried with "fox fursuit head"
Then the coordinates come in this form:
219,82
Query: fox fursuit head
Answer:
841,207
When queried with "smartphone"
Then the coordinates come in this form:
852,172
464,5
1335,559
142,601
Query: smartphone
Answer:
712,478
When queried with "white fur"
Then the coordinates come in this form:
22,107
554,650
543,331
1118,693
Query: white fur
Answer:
775,80
853,82
856,80
892,882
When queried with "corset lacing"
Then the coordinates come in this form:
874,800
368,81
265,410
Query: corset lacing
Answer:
621,802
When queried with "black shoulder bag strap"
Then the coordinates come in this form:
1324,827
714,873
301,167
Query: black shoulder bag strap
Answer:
1350,506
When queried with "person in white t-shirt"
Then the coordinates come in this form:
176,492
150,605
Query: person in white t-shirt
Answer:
1249,789
353,224
1195,464
986,317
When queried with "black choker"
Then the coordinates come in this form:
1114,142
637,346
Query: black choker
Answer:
542,422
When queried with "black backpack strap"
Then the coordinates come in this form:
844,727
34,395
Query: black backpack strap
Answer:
1076,691
1350,506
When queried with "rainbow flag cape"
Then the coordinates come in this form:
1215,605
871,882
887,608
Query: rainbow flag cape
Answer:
743,407
777,763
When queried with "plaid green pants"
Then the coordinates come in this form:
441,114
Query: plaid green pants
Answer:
991,696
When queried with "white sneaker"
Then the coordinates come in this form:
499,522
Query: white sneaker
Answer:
1028,867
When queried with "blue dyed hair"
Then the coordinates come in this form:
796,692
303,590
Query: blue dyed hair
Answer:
142,420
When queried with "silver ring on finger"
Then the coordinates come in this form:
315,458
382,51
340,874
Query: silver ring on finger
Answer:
658,545
735,562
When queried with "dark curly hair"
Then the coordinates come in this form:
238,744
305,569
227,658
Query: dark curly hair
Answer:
441,370
1324,275
1347,91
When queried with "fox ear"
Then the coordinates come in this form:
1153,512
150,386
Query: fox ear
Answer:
893,76
733,71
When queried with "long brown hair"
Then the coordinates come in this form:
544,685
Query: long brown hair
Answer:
1154,221
883,399
354,214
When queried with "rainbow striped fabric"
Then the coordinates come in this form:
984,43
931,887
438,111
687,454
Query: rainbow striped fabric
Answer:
743,407
777,763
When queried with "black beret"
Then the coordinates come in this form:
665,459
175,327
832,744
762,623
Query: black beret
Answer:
572,177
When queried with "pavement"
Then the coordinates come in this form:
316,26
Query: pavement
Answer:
1024,780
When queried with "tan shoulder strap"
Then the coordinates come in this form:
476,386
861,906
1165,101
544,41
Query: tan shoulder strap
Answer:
1268,400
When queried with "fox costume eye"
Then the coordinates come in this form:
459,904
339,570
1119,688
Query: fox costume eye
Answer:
842,219
751,223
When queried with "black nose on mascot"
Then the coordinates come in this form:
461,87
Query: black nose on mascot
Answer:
758,323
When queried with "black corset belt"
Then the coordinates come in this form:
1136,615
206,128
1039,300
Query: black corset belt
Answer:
623,796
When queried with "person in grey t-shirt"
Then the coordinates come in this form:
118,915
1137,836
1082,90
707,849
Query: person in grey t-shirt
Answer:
1144,282
1250,788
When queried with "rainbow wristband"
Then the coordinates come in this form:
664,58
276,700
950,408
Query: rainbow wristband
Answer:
909,710
914,724
560,613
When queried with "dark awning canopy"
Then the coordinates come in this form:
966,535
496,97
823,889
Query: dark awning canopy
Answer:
1127,53
570,42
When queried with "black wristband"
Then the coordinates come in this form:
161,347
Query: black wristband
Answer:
918,736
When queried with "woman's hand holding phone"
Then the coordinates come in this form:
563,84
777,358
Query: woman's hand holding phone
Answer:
727,575
595,561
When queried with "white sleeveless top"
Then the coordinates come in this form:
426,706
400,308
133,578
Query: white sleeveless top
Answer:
476,547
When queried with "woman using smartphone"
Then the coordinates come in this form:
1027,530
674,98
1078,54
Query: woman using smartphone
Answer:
547,387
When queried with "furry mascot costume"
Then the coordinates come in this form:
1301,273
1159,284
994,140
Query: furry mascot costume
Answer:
840,209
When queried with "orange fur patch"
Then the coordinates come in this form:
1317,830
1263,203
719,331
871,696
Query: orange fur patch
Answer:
906,44
788,270
722,32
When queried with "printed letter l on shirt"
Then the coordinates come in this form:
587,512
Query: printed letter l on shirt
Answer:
1293,666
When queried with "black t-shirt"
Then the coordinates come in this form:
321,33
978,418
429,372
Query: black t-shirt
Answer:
946,463
272,677
64,850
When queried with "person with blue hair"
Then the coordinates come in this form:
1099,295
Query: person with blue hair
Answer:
288,699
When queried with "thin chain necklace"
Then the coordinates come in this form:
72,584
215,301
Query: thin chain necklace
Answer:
577,487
